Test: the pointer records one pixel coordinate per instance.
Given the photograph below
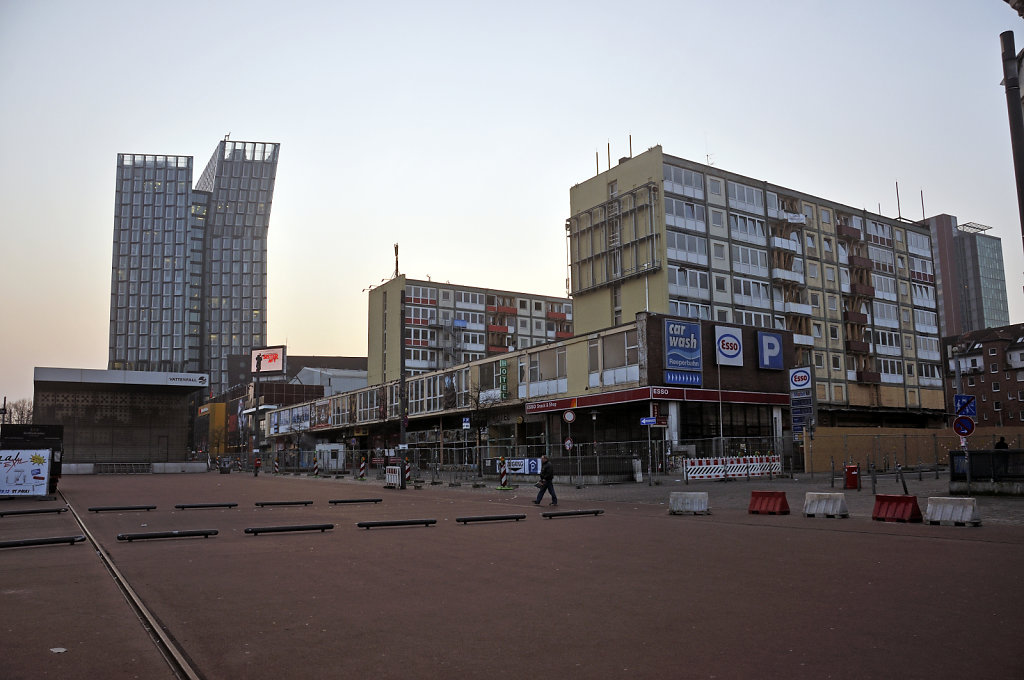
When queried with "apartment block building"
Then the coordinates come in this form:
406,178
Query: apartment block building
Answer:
445,325
856,289
189,266
991,369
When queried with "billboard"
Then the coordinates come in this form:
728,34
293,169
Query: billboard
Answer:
24,472
273,360
728,346
682,346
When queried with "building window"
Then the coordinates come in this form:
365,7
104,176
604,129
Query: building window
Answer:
833,332
833,305
816,329
815,300
715,186
994,368
819,360
995,387
836,364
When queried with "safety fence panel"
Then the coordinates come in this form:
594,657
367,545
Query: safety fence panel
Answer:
720,468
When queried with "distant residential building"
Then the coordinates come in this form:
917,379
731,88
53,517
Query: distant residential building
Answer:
189,267
447,325
856,289
991,369
970,278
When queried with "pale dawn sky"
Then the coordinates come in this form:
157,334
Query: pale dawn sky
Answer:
457,128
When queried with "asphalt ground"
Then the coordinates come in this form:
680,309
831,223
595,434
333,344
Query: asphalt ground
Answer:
632,593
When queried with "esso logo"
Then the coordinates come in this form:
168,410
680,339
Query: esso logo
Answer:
801,378
729,346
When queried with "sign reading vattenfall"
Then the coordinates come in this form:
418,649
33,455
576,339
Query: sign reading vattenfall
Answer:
24,473
728,346
683,363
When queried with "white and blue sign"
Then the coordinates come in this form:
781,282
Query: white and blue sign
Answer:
728,346
799,379
769,350
965,405
682,346
650,420
682,378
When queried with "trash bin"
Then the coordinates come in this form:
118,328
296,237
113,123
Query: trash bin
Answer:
225,466
852,476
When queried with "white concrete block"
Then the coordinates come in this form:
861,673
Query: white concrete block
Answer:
695,502
954,511
825,505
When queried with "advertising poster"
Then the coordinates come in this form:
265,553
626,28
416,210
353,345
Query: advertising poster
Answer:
24,473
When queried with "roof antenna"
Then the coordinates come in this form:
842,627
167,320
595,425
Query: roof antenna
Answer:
395,276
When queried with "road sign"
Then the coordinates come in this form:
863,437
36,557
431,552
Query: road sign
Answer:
963,426
568,444
965,405
465,423
569,416
801,401
648,421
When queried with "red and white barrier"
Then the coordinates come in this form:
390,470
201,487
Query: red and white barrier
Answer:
316,467
277,468
733,467
408,472
362,468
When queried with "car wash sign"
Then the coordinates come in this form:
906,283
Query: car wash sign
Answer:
683,364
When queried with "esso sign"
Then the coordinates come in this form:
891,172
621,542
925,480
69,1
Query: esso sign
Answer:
799,379
729,345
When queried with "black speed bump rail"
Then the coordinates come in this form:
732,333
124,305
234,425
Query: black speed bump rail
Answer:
489,518
355,500
396,523
24,542
256,531
37,511
266,503
187,533
113,508
186,506
571,513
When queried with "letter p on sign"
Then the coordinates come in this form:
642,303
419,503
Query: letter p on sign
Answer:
769,350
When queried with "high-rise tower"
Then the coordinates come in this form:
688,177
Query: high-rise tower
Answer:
189,265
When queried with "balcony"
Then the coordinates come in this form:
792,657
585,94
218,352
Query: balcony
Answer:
561,335
862,289
857,347
860,261
556,316
497,349
848,232
491,328
787,275
791,245
869,377
855,317
798,308
803,340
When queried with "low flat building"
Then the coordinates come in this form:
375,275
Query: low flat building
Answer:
118,418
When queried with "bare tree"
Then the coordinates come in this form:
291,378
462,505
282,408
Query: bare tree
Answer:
19,412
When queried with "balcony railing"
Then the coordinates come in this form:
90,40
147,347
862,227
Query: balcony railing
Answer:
848,232
857,347
862,289
860,261
869,377
855,317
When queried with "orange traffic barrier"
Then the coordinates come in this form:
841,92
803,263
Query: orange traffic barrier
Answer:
768,503
892,508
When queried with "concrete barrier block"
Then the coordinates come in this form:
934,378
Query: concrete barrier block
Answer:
688,502
952,511
825,505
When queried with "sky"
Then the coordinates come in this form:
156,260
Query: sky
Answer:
456,130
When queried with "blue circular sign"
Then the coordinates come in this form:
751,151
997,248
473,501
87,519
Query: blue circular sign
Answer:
963,426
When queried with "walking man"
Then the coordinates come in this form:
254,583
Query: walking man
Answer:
547,474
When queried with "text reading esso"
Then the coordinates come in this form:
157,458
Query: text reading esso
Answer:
729,345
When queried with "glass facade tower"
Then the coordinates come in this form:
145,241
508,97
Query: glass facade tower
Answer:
189,264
